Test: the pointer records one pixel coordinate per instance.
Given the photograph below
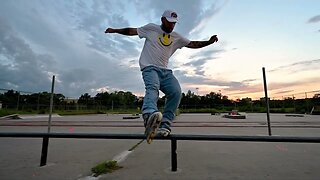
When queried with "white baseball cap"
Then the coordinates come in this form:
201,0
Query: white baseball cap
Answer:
170,15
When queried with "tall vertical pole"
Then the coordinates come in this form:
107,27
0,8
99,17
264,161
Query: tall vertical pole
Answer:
45,141
51,104
266,99
174,161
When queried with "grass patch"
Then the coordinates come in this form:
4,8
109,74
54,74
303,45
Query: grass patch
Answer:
82,112
105,167
6,112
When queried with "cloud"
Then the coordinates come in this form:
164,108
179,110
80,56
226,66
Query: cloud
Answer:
199,60
96,19
69,41
284,92
207,53
76,80
314,19
202,80
187,12
20,66
254,86
276,88
301,66
192,16
206,15
197,63
292,85
66,38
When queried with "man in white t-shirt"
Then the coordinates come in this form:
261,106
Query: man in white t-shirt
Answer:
160,43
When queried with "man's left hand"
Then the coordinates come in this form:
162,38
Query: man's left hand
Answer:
213,39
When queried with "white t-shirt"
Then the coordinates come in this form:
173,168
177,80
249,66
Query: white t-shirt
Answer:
159,45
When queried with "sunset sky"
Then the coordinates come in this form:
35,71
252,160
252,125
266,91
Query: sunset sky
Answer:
39,39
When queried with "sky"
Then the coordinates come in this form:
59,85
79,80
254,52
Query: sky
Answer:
39,39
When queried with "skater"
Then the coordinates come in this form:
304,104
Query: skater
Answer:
160,43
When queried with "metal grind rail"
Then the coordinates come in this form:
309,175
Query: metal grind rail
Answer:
173,138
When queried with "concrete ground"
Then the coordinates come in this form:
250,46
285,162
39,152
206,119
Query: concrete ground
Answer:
74,158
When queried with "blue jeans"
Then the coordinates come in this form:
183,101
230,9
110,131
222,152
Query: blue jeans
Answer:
156,79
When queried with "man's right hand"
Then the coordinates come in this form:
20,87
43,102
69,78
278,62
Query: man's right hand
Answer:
123,31
109,30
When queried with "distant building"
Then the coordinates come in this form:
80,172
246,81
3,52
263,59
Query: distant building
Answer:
71,100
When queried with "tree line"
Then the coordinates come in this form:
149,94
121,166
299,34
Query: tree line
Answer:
190,102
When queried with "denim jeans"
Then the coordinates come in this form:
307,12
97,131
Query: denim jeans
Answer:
156,79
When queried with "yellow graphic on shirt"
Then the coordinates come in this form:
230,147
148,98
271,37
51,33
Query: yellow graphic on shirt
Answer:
165,39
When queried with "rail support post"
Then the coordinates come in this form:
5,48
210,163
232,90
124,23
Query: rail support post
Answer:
174,155
44,152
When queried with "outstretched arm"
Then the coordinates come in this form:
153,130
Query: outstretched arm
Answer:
123,31
200,44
